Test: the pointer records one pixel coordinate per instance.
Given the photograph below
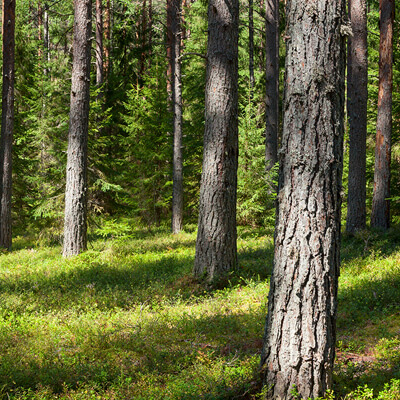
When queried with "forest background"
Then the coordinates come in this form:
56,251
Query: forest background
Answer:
130,130
94,326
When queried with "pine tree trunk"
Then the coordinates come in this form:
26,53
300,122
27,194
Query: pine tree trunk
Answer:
107,37
99,44
251,48
357,96
40,27
216,252
150,28
7,123
143,31
46,37
176,87
380,215
170,49
272,82
299,342
175,95
75,238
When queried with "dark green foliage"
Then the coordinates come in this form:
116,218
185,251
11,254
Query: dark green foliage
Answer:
130,142
148,147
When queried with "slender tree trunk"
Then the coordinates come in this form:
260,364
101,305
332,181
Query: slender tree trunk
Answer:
170,49
380,216
299,342
176,92
216,252
357,96
107,37
46,38
272,82
150,28
186,4
75,238
251,48
40,33
143,29
99,44
7,123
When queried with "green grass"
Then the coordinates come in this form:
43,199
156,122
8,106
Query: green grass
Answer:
126,320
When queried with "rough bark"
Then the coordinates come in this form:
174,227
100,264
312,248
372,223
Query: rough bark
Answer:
99,43
216,252
299,342
380,215
75,239
272,82
174,36
357,96
7,123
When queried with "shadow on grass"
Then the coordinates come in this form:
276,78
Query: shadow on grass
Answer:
167,346
129,246
121,284
179,348
368,242
162,347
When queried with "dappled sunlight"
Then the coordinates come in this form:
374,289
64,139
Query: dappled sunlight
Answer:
131,321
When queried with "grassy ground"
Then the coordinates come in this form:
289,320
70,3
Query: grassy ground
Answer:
125,320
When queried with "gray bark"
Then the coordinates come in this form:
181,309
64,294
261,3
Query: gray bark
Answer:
272,81
299,342
7,123
75,239
380,215
216,252
357,96
176,92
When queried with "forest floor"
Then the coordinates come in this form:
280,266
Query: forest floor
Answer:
126,320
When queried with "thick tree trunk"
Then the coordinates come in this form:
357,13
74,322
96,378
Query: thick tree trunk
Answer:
272,82
357,96
7,122
380,216
299,342
176,92
216,252
75,239
99,44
